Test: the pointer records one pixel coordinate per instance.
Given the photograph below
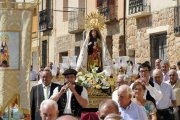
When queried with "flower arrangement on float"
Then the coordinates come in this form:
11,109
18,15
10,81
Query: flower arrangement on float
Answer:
98,84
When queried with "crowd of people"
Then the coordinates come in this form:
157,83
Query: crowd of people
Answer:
156,90
154,95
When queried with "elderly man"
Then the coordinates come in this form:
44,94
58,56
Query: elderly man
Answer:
106,107
175,84
72,97
129,110
48,110
152,92
163,110
41,92
120,81
158,64
165,69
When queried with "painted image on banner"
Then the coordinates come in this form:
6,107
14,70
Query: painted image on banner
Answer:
9,50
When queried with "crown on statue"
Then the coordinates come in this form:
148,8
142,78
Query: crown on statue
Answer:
95,21
4,37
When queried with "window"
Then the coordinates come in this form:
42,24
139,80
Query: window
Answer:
107,8
109,43
99,3
78,36
177,20
44,53
103,2
158,43
77,51
46,16
62,54
135,6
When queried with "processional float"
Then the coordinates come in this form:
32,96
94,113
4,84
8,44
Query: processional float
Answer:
15,52
97,72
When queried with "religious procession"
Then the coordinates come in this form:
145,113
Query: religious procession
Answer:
89,60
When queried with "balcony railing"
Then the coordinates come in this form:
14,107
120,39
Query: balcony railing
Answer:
76,20
109,13
177,21
45,20
139,8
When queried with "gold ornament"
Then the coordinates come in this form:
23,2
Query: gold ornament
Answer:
95,21
4,37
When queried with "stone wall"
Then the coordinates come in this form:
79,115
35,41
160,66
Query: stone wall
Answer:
116,30
139,30
64,43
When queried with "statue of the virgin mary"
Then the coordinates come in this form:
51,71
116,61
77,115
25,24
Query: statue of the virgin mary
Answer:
94,52
94,49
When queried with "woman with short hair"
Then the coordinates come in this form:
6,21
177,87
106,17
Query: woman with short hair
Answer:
138,91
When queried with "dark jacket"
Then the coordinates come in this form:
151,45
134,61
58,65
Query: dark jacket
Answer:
75,106
36,97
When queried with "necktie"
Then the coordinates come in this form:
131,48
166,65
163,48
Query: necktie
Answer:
46,92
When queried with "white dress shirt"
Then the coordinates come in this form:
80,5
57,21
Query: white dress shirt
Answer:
48,90
168,95
133,112
155,91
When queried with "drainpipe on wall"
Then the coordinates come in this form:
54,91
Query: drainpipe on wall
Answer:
124,19
39,36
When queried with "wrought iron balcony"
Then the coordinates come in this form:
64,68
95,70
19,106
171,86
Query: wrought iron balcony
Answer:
76,20
177,21
45,20
108,12
139,8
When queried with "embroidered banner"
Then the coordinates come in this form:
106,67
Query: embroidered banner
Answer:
15,50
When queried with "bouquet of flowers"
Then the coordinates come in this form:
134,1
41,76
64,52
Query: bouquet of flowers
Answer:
96,83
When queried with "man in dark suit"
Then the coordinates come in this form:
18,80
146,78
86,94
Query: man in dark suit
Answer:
41,92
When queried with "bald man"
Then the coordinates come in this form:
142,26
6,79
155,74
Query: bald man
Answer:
158,64
106,107
129,110
163,110
48,110
175,84
119,81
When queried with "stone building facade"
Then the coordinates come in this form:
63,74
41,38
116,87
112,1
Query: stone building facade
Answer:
152,36
70,41
144,36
